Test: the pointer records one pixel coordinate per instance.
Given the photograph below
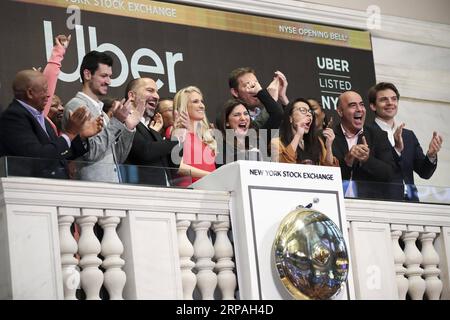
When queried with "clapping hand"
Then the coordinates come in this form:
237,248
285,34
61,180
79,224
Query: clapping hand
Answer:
274,87
398,139
122,110
358,152
328,133
76,122
91,127
135,116
435,145
157,122
282,88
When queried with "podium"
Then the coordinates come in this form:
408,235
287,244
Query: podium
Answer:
262,194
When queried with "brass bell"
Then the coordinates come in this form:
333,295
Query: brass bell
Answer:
310,255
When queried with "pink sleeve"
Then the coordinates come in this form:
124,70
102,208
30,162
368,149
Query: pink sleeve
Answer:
51,72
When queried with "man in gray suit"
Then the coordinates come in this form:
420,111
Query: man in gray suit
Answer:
111,146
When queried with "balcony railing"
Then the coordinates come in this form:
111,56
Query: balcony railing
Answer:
143,242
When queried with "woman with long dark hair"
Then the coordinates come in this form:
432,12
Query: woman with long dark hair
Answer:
238,143
299,141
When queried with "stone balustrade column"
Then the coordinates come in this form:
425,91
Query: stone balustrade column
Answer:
186,251
68,247
399,260
89,247
223,255
204,252
416,285
112,248
430,264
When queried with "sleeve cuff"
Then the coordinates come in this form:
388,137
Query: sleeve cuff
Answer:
67,139
433,160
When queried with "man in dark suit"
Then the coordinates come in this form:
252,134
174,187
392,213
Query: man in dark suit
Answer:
364,154
26,133
148,148
408,154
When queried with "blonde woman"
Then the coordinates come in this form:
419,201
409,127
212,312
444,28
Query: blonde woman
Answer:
199,146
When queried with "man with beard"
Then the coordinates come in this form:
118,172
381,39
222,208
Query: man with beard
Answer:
364,154
111,146
149,149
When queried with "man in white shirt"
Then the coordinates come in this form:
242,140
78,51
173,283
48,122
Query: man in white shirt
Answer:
407,152
111,146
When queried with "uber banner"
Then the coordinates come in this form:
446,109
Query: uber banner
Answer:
179,45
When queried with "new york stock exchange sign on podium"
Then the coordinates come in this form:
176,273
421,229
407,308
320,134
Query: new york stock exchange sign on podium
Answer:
289,229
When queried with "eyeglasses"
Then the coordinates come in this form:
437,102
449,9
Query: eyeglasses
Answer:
304,110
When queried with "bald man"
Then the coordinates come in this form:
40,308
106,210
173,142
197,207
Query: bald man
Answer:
149,148
25,132
364,154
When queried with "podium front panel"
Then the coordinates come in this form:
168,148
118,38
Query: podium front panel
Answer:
262,194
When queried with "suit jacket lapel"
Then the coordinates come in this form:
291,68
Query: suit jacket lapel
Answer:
39,130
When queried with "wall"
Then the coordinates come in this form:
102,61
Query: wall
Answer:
431,10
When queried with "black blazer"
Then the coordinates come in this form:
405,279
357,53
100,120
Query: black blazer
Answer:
372,176
21,135
149,149
411,160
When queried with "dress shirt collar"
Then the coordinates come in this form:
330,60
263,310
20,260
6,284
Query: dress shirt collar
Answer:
349,135
38,115
97,104
388,129
30,109
145,121
352,139
254,113
384,125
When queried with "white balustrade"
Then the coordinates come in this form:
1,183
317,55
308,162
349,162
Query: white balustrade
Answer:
224,264
203,253
68,247
186,251
163,217
89,247
430,262
112,248
416,285
399,260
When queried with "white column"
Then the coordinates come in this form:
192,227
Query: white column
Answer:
204,252
223,255
399,260
112,248
89,247
68,247
186,251
430,262
442,246
416,285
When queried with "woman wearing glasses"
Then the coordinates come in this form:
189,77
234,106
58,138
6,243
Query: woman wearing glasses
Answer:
299,141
